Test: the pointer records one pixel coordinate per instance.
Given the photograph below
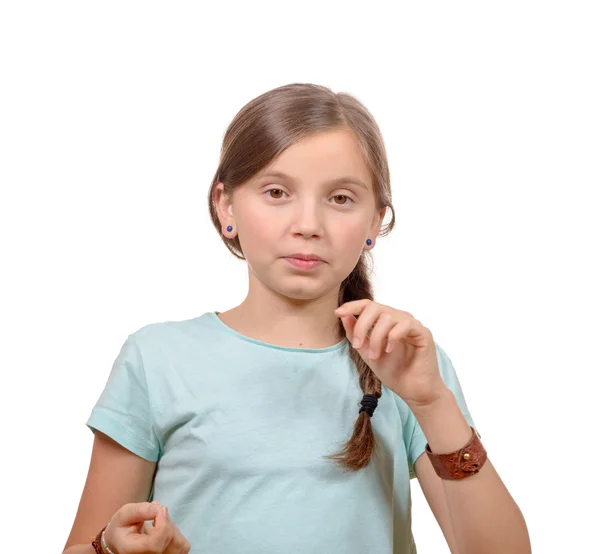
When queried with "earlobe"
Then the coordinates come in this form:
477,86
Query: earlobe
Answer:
224,209
230,214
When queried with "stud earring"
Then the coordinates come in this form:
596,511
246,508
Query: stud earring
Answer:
229,228
369,242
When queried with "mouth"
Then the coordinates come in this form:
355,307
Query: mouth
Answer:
305,257
304,261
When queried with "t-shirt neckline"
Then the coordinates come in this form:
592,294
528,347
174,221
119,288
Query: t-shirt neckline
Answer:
215,317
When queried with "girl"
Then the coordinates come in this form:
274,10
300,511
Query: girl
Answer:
294,421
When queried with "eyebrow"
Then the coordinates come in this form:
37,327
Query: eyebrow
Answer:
331,182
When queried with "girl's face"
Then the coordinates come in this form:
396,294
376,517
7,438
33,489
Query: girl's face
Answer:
316,198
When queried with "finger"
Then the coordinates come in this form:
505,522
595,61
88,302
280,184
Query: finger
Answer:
161,533
365,322
137,512
395,336
379,334
349,322
179,544
355,307
410,331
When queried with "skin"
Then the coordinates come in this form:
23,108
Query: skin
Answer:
278,216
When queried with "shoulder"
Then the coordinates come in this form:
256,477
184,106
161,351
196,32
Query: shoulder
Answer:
160,334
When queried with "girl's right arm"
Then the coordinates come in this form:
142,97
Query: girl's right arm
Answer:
80,549
116,476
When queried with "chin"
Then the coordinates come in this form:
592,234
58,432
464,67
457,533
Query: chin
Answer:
298,291
303,295
298,286
305,289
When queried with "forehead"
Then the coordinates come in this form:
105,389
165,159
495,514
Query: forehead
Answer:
323,157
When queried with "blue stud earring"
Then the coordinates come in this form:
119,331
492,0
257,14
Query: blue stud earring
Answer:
369,242
229,228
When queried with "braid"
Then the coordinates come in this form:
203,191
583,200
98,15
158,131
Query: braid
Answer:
359,448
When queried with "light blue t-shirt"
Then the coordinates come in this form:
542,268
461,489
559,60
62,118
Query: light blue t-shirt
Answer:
239,429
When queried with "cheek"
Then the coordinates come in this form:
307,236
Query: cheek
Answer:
348,241
350,235
257,228
256,232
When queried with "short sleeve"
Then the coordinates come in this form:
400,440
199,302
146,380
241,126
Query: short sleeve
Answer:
123,411
414,437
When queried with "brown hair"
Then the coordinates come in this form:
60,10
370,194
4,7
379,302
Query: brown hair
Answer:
262,130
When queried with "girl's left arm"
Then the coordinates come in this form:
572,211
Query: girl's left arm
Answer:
401,351
484,517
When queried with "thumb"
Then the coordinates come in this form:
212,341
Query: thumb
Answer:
137,513
349,322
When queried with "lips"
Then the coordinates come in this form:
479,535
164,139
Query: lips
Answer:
306,257
299,263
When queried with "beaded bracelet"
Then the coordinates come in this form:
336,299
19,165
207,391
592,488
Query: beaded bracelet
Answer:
104,543
96,542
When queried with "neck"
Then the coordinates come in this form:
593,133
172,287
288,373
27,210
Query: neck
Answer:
271,317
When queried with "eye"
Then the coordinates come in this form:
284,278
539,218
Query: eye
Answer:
279,192
342,197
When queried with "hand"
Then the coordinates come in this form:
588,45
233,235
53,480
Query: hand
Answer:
127,532
399,349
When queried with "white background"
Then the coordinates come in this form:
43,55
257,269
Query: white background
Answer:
111,119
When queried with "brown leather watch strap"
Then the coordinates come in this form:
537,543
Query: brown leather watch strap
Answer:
460,464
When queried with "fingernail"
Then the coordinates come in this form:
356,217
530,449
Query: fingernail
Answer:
371,354
388,348
356,342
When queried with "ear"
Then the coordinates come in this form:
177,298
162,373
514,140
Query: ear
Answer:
223,205
377,223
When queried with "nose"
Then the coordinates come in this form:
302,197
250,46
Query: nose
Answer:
307,219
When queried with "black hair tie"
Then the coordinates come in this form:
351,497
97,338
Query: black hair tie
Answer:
368,404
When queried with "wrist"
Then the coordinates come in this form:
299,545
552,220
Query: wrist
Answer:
438,403
106,549
97,542
443,423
